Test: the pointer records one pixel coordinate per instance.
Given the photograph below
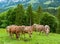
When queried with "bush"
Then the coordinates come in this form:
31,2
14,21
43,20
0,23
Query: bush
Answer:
3,23
50,20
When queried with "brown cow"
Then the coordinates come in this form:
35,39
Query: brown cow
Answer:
15,30
39,28
28,29
42,28
8,27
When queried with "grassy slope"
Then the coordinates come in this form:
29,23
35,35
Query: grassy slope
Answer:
36,39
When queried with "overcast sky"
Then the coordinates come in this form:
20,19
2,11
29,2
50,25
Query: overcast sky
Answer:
11,0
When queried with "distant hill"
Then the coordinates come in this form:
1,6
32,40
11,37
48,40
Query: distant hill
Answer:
6,4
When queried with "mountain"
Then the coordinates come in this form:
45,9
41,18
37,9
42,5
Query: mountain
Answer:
6,4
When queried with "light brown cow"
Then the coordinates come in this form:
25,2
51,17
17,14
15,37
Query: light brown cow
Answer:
28,29
39,28
47,28
8,27
42,28
15,30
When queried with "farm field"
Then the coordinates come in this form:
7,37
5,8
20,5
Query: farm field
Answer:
52,38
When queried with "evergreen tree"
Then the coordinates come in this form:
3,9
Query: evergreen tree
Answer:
10,16
39,14
39,10
30,15
20,15
58,16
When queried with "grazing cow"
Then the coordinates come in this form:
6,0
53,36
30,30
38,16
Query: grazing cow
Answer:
13,29
39,28
8,27
28,29
47,28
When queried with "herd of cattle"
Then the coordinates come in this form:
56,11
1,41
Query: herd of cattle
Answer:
17,30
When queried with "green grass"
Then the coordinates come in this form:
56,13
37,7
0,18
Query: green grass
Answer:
52,38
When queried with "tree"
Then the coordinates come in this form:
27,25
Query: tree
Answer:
38,14
58,16
39,10
30,14
20,13
10,16
49,19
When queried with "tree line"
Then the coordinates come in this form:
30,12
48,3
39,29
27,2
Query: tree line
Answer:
21,16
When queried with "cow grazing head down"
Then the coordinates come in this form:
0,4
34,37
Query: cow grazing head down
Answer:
47,28
42,28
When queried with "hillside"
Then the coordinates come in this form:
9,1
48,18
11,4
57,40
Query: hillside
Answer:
6,4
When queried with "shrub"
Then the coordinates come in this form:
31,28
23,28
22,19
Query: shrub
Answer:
4,23
50,20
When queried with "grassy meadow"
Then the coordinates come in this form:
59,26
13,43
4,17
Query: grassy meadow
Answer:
52,38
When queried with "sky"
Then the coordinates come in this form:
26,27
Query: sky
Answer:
11,0
1,0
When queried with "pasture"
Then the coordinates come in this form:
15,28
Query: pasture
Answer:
52,38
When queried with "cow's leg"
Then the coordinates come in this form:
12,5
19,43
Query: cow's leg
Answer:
30,34
39,32
42,32
24,35
17,36
11,35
